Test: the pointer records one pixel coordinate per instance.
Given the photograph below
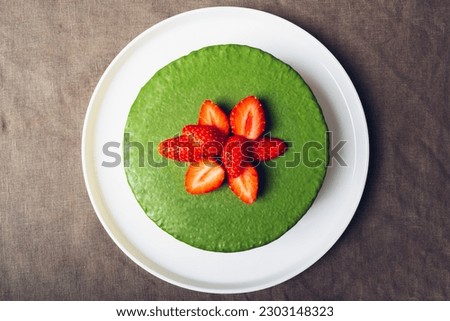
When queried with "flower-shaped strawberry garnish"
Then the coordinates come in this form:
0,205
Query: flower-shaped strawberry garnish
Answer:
212,151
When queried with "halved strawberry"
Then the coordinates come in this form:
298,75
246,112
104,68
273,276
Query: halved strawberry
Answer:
209,138
245,186
266,148
181,148
247,118
212,115
203,177
236,155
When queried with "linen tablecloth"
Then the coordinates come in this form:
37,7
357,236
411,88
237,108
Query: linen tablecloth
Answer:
52,245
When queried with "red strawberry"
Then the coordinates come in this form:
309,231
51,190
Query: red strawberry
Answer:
235,155
245,186
247,118
203,177
266,148
213,115
180,148
209,138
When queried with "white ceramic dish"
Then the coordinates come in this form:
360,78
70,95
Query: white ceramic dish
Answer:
158,252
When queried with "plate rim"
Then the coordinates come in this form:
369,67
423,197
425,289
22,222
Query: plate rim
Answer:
88,178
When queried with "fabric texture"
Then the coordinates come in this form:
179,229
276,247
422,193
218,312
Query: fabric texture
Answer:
52,245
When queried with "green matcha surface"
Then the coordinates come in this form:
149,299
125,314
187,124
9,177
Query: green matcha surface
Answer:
171,99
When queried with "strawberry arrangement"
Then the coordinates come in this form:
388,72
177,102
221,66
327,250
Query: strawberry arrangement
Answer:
214,153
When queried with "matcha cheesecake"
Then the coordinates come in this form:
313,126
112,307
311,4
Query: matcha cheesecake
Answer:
287,181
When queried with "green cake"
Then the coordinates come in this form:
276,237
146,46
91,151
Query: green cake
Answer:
219,221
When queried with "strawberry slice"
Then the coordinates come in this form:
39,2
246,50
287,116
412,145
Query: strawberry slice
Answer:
180,148
247,118
204,177
245,186
266,148
212,115
208,138
236,155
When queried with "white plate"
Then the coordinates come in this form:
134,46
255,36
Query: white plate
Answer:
158,252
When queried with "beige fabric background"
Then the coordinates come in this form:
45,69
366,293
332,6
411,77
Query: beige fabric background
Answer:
52,246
